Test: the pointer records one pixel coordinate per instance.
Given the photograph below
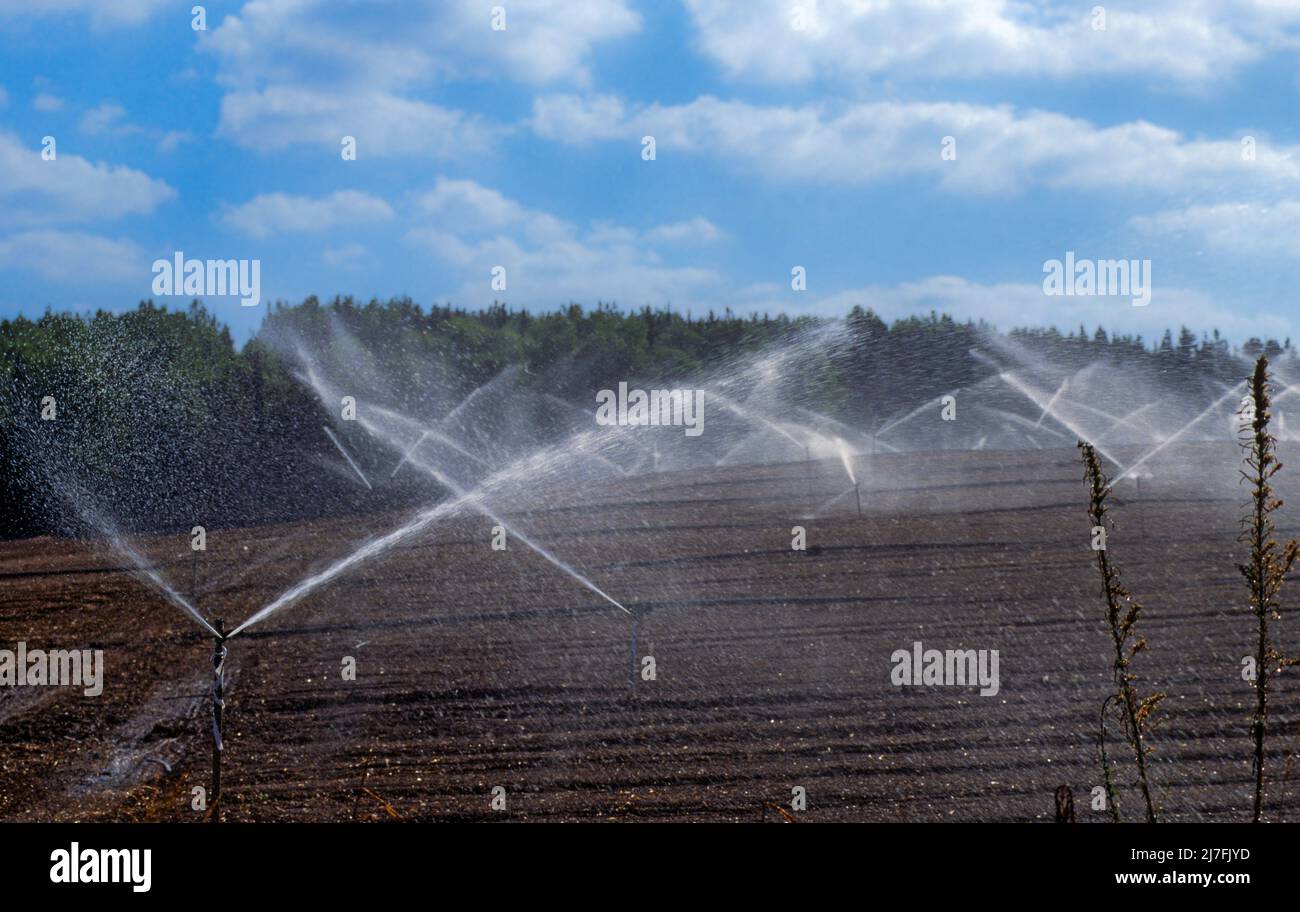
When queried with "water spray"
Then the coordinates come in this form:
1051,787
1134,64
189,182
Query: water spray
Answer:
355,467
1051,402
1029,393
1178,433
473,500
407,455
890,425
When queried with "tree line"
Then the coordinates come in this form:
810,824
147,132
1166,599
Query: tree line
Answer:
158,414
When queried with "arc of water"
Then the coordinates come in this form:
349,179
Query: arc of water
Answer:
1182,430
156,578
1051,402
418,523
464,403
889,426
407,455
1022,420
746,414
426,433
153,576
1029,393
475,502
1101,413
1128,419
463,498
346,456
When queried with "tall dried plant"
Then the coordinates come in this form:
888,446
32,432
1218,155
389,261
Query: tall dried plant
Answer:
1269,562
1121,618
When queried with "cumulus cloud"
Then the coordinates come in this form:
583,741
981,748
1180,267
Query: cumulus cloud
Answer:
383,124
373,72
73,257
70,188
1240,229
847,40
998,148
549,261
281,213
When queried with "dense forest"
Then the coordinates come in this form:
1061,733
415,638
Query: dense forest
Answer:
160,415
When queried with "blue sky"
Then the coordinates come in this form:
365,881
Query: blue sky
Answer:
776,147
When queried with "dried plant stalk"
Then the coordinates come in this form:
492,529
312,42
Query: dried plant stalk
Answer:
1269,563
1121,617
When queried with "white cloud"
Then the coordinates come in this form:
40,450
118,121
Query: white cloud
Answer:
107,118
848,40
383,124
47,103
698,230
311,71
1239,229
1018,304
998,148
279,213
70,188
395,45
475,208
73,257
548,261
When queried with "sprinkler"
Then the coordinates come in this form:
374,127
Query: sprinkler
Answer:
218,703
634,669
1142,524
857,491
807,455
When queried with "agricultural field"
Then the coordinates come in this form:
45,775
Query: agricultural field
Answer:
478,669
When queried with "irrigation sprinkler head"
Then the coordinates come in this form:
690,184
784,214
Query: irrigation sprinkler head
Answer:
218,704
